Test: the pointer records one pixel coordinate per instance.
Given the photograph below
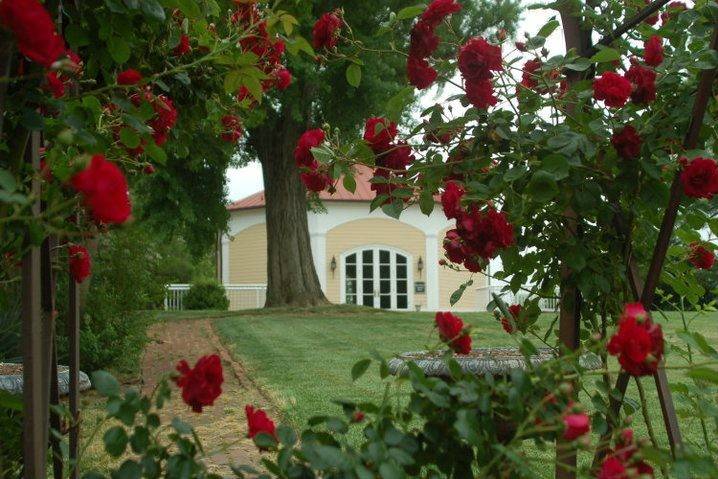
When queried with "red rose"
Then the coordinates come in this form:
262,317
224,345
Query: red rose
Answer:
259,423
653,18
80,262
485,232
520,46
232,128
626,142
438,10
398,157
423,41
104,190
246,13
315,180
638,342
529,76
451,200
653,51
149,170
55,85
612,468
643,82
303,151
478,58
701,257
33,29
480,93
612,88
379,133
700,177
202,384
358,416
183,47
672,9
420,73
325,32
453,246
575,426
510,325
622,463
284,78
452,332
165,118
129,77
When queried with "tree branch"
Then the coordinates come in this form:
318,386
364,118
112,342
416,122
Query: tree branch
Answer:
630,24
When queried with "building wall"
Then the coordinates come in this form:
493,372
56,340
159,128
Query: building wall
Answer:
374,232
248,256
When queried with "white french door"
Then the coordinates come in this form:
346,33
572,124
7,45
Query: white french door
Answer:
377,277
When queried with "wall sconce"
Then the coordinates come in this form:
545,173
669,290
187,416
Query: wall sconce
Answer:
420,265
333,265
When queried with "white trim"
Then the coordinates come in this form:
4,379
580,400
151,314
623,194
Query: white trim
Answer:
359,290
432,272
225,259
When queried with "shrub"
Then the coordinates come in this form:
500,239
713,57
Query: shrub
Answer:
206,295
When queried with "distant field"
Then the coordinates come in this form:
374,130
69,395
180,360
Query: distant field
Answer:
303,358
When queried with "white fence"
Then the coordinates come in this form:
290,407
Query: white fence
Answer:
546,304
241,296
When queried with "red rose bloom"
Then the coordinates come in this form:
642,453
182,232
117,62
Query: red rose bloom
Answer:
452,332
232,128
653,51
55,85
80,263
622,463
485,232
643,82
453,246
672,9
451,199
423,41
259,423
420,73
325,32
480,93
398,157
700,177
575,426
511,325
129,77
438,10
165,118
612,468
653,18
202,384
33,29
315,180
183,47
303,151
638,343
528,76
612,88
478,58
701,257
626,142
104,191
284,78
379,133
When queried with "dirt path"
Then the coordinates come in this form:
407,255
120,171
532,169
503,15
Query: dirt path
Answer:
222,427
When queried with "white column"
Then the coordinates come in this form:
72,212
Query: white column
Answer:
319,253
432,272
225,259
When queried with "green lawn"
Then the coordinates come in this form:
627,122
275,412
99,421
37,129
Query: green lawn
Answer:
303,358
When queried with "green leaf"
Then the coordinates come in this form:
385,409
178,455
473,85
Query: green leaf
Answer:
152,9
115,440
322,154
129,138
548,28
555,164
606,55
354,75
359,368
456,295
7,181
579,65
128,470
704,374
181,427
350,183
132,4
410,12
286,435
119,49
190,8
542,187
389,470
10,401
426,202
105,383
156,153
395,106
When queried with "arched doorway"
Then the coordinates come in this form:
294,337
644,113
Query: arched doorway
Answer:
377,276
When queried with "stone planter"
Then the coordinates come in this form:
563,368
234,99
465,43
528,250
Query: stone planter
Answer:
498,362
11,379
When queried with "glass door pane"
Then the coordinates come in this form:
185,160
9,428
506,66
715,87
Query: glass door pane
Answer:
367,270
350,279
402,282
385,286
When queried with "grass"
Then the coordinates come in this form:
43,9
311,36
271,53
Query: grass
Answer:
303,358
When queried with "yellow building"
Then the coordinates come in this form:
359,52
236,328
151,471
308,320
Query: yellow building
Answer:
361,257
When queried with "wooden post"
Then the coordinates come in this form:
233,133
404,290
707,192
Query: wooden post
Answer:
36,374
73,335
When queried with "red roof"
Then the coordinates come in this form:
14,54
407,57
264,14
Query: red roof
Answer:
363,192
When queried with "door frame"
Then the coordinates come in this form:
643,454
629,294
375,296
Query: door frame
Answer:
393,250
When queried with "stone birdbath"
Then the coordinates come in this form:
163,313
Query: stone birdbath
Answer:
498,362
11,379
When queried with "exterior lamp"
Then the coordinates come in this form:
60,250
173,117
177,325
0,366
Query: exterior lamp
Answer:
420,265
333,265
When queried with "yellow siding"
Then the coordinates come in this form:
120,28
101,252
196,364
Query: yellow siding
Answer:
374,231
248,256
450,280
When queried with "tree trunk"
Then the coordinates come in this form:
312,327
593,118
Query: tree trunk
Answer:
291,277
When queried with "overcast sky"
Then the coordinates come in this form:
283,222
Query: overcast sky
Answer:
243,182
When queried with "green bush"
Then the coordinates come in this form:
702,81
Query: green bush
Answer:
206,295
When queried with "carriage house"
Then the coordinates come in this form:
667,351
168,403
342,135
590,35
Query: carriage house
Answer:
361,257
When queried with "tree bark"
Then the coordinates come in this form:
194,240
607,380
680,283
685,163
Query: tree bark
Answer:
291,277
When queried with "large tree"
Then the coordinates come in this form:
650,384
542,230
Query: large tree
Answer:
320,93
